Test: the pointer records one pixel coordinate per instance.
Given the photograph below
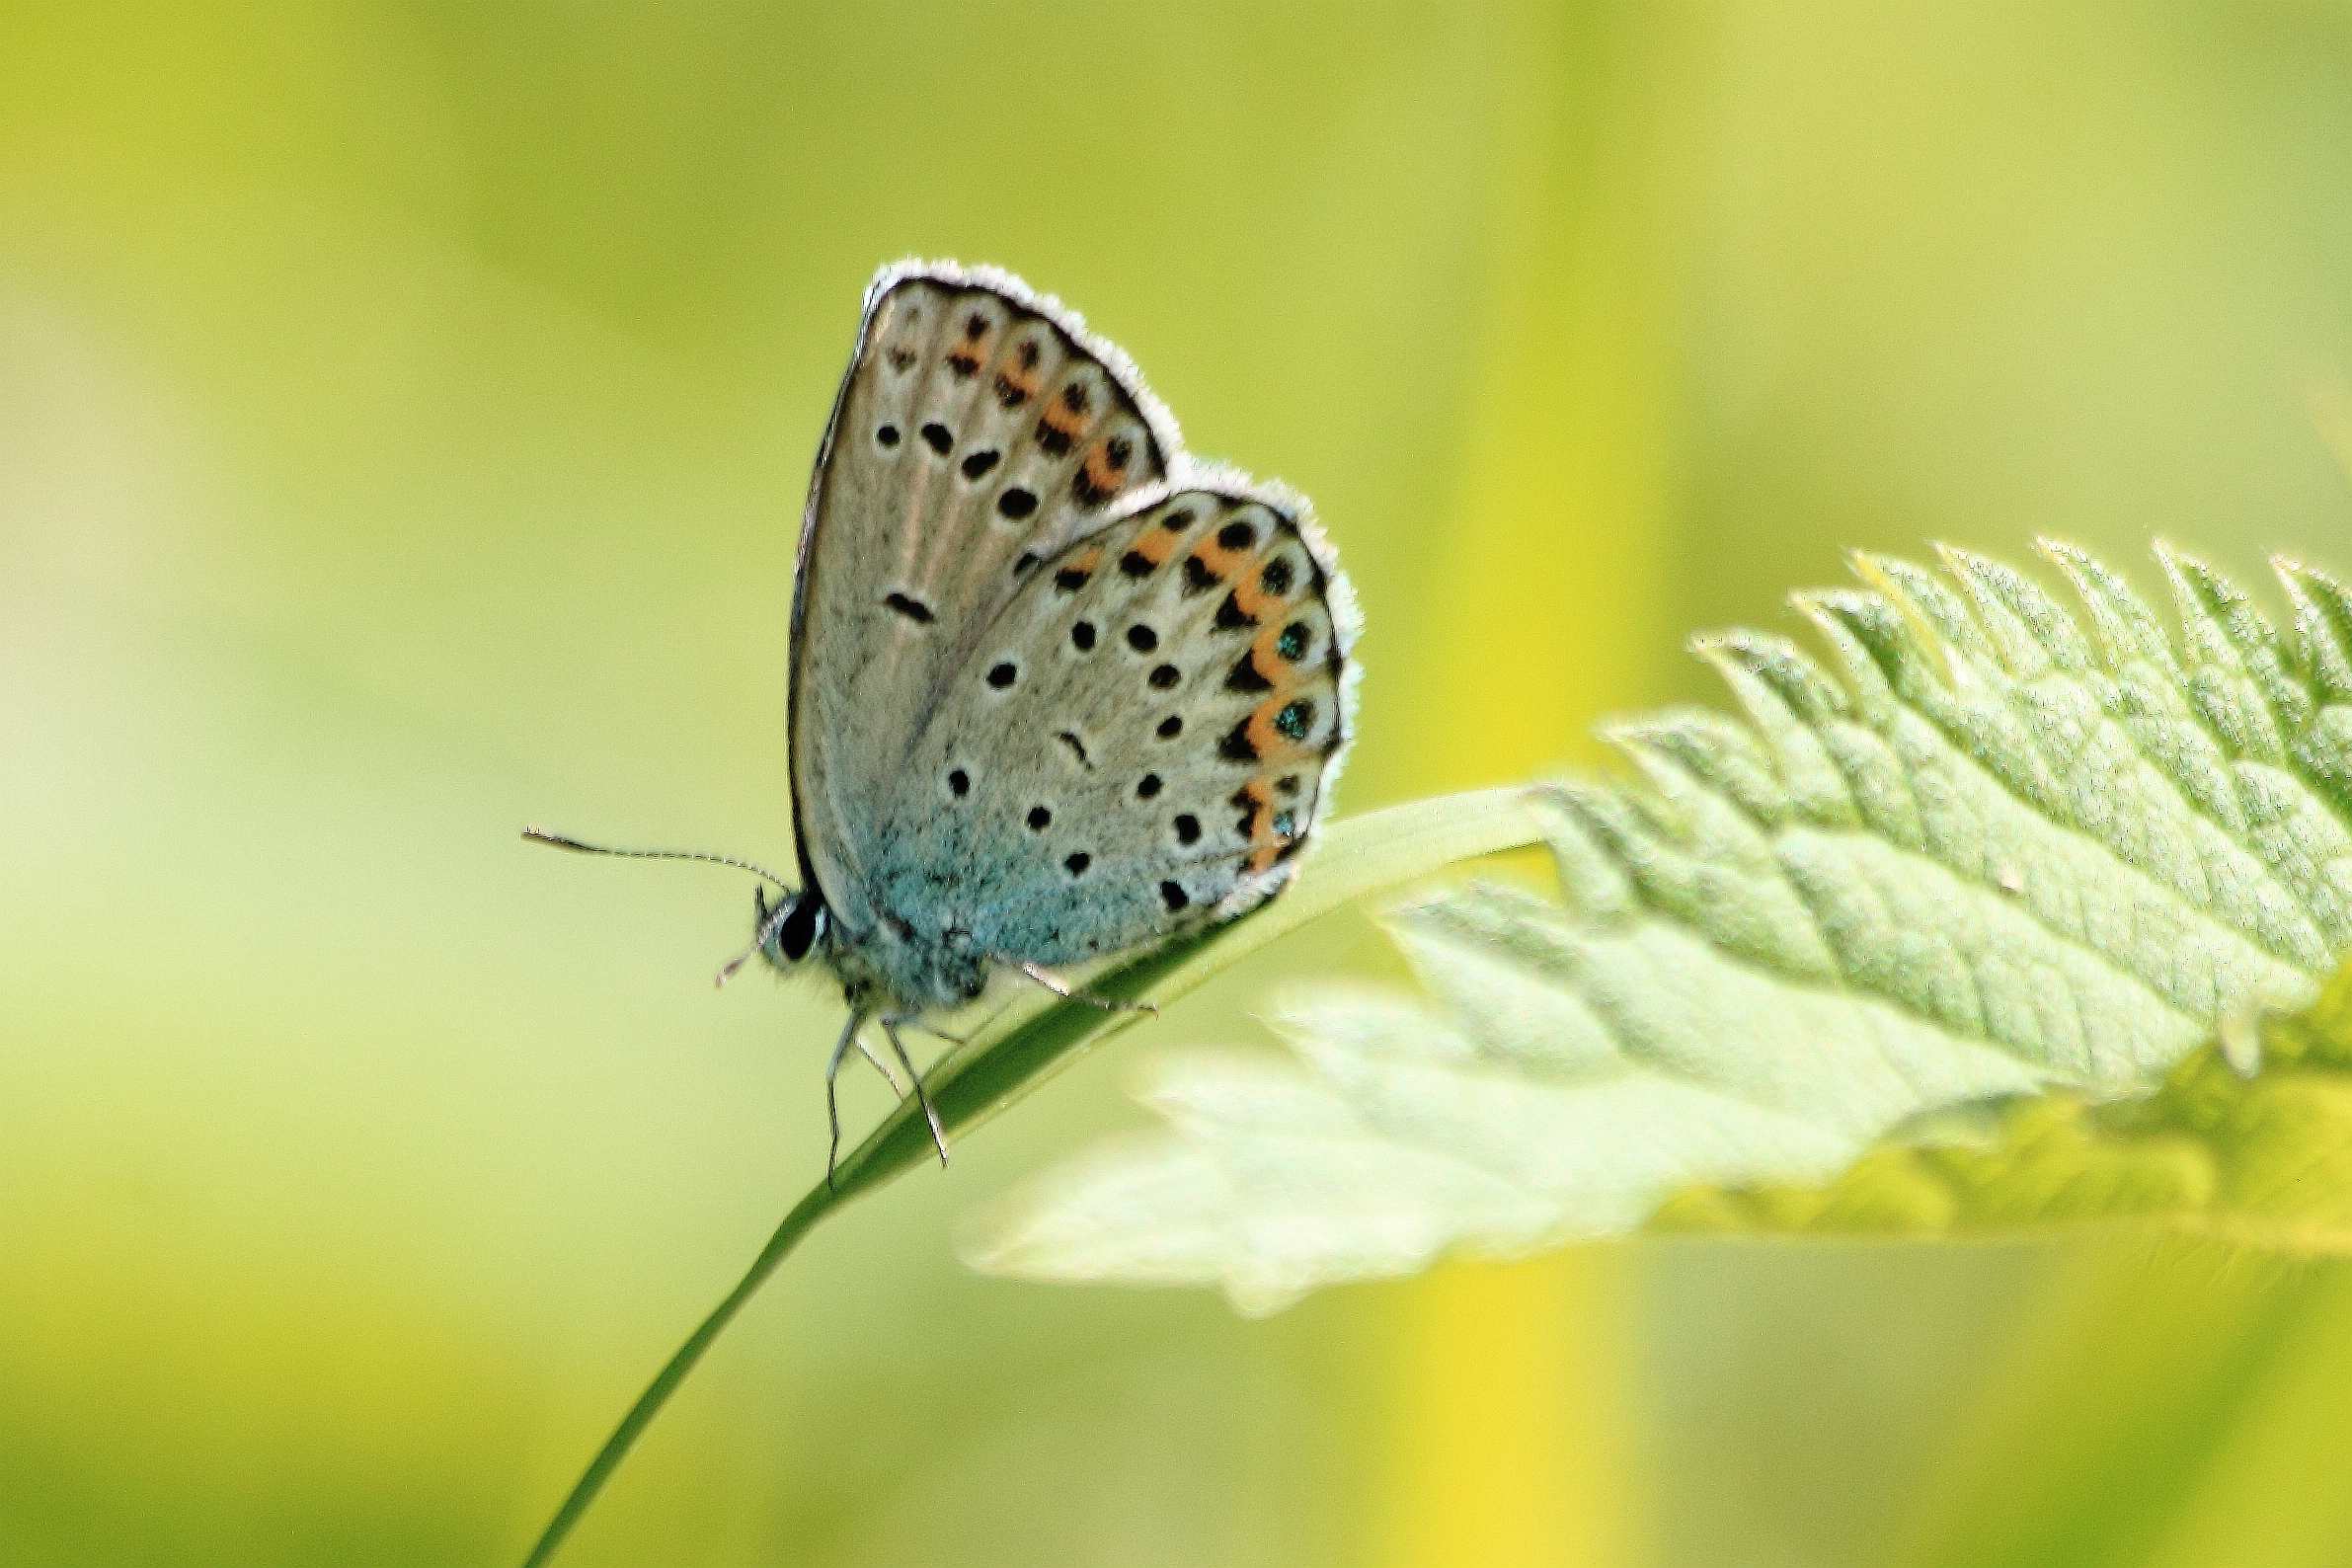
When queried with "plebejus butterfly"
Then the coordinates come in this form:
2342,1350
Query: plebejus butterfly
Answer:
1058,691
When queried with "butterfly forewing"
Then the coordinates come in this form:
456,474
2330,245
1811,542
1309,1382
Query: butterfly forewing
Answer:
1142,739
978,433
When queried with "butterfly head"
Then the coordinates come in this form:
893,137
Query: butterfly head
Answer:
790,929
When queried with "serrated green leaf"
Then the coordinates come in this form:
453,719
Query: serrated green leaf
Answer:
2250,1139
1911,949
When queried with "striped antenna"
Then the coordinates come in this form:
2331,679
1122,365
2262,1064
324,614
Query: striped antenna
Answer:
542,836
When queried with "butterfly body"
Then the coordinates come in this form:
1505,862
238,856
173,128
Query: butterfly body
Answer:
1058,691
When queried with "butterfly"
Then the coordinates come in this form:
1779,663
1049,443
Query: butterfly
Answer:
1058,691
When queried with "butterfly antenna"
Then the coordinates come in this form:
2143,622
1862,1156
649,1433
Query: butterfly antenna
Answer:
542,836
759,939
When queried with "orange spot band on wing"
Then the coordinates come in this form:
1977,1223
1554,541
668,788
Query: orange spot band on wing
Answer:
1270,745
1103,474
1258,823
1220,562
1154,545
1015,385
1250,593
1265,656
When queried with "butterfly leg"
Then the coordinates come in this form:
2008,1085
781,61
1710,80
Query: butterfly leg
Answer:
922,1096
890,1075
833,1102
1068,992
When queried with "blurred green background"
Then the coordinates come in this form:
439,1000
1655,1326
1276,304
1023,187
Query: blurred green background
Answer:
405,412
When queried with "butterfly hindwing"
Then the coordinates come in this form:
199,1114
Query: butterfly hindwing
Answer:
1143,738
980,430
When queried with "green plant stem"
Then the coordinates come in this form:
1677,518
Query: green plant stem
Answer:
1364,855
798,1224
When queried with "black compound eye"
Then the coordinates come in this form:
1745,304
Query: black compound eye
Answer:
801,928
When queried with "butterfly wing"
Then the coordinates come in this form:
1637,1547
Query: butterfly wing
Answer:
1142,739
978,431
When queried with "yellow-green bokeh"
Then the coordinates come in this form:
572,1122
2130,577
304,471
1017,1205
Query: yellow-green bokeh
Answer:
404,412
